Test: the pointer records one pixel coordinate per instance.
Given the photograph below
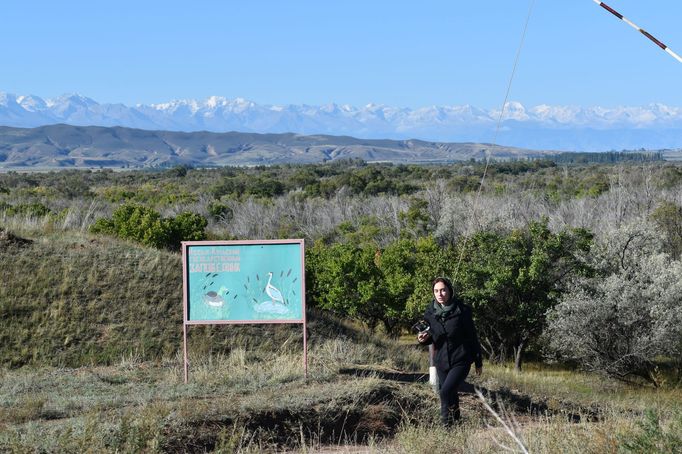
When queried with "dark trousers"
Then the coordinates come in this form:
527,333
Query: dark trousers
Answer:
449,382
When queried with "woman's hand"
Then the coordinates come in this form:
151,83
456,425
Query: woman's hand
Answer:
423,337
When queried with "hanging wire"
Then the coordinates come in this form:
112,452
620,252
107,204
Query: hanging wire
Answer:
488,153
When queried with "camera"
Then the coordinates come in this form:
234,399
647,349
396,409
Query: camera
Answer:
421,326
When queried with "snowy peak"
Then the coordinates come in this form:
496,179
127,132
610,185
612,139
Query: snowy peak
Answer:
544,126
31,103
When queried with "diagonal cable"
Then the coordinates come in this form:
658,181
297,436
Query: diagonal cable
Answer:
497,130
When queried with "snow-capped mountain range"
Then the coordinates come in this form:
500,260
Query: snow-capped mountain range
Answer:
569,128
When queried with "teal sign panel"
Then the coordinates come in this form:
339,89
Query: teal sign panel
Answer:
244,282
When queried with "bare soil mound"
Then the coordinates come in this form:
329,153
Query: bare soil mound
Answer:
8,239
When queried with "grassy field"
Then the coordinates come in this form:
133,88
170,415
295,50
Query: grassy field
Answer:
90,354
235,404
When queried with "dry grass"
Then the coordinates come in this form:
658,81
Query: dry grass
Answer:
587,391
236,404
230,402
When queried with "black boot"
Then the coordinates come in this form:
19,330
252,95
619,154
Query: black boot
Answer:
452,418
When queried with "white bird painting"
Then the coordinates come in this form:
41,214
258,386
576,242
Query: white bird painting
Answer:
273,292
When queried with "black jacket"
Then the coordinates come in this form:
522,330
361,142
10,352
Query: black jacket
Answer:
454,337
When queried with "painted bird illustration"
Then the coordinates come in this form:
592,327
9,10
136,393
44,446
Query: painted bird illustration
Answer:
272,291
216,299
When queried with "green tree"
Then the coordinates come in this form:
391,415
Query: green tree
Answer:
408,266
345,279
389,286
512,279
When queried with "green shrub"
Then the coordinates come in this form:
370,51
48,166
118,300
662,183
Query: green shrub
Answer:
186,227
177,171
265,187
629,306
220,211
145,226
34,210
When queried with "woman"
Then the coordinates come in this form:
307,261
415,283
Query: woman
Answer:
453,335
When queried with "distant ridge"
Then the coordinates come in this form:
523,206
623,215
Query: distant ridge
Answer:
65,146
565,128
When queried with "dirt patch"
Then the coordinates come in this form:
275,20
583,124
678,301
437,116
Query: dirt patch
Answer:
8,239
376,414
384,374
353,420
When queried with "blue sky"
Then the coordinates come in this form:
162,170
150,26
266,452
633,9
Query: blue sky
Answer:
400,53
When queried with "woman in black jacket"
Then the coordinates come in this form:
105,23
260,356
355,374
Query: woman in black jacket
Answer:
453,335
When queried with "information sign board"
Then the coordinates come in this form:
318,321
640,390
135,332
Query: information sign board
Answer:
238,282
249,282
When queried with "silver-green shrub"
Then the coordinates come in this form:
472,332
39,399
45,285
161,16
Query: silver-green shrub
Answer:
626,317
